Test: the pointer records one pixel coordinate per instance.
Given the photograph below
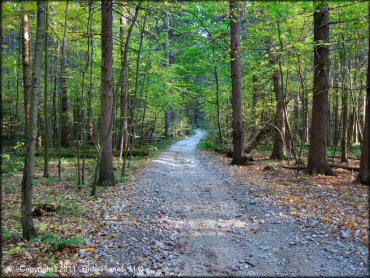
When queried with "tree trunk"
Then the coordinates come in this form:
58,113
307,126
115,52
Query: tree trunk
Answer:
344,145
46,112
135,99
304,113
54,108
85,130
90,121
261,134
255,93
124,90
125,84
167,125
17,106
328,132
153,128
64,127
278,151
336,105
142,122
26,70
29,165
106,172
364,175
317,160
236,85
1,99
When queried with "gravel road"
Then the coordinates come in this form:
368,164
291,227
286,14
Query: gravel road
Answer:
184,215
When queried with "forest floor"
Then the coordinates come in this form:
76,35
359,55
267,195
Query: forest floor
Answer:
189,213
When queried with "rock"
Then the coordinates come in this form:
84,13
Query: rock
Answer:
159,244
357,233
265,248
343,234
330,250
253,202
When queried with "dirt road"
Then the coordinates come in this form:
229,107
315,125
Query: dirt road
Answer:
182,216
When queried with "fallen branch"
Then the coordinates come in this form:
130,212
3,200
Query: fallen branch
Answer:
341,166
260,135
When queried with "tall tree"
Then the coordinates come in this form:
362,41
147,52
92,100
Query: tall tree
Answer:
236,85
106,173
29,165
278,151
125,84
344,141
26,68
167,126
124,89
317,160
364,175
46,112
1,104
64,89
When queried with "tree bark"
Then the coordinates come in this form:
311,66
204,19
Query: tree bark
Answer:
54,106
135,99
364,175
317,160
236,85
1,99
336,105
278,151
26,70
85,128
124,90
90,123
261,134
124,83
304,113
344,145
46,112
106,172
17,106
64,88
29,165
167,125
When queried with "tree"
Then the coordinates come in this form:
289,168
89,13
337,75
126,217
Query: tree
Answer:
317,160
124,86
64,89
1,99
46,118
364,175
29,165
278,151
167,126
26,68
106,173
236,85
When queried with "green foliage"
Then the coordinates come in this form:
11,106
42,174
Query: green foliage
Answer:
9,235
70,208
58,243
18,145
207,145
14,215
15,250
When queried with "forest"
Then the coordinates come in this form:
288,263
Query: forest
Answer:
127,125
